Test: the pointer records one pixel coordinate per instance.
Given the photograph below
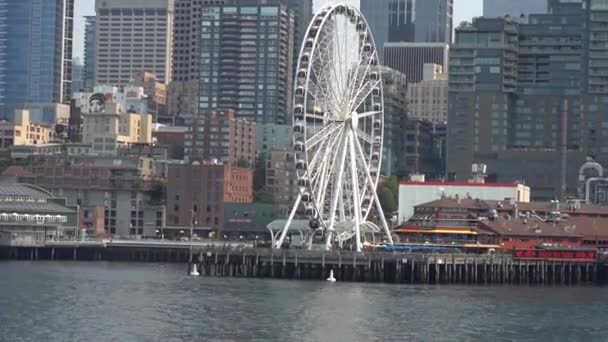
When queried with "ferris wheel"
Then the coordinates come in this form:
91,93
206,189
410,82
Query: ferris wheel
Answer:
338,122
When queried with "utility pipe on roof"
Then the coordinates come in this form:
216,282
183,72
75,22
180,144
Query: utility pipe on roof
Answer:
588,187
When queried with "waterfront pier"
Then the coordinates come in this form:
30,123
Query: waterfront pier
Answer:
397,268
234,260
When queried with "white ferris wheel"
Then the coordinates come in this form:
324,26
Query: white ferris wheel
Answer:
338,122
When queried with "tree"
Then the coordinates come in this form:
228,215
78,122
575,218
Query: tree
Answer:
259,176
157,192
386,200
388,194
263,195
244,163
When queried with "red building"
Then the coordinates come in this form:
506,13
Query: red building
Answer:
196,194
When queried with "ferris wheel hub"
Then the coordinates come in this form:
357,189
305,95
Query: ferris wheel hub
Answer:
354,120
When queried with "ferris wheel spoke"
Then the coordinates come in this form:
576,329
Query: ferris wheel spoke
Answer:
330,99
314,116
330,172
368,114
338,191
321,58
324,150
355,78
364,136
332,55
345,65
322,134
363,94
361,77
313,162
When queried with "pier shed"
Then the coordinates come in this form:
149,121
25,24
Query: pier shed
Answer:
31,215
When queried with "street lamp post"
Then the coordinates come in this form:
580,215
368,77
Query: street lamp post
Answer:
192,223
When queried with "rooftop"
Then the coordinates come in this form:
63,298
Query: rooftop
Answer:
530,227
572,207
20,198
8,188
495,185
518,218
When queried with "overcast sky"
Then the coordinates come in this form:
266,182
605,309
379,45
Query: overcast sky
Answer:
463,10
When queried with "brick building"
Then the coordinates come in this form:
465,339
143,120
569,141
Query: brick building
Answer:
281,178
197,192
219,135
156,93
171,137
117,196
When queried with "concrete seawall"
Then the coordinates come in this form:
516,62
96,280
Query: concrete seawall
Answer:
387,267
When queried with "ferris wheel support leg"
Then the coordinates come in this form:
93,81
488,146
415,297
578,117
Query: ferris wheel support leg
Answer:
355,194
387,231
341,208
334,201
291,216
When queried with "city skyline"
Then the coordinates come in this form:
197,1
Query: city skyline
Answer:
463,10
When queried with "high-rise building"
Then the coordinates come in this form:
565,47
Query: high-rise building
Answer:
90,46
518,10
428,99
220,136
246,61
302,13
410,58
77,76
186,36
133,35
184,89
523,98
596,52
420,153
409,21
35,53
273,137
394,86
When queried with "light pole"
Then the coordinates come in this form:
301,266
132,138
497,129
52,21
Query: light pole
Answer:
192,223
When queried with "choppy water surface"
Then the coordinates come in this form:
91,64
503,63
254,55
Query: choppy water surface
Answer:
64,301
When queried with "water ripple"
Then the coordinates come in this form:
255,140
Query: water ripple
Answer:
78,301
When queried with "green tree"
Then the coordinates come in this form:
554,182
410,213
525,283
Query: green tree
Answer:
244,163
388,194
263,195
387,200
259,176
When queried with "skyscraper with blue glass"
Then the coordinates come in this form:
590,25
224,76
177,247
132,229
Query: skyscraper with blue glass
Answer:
35,53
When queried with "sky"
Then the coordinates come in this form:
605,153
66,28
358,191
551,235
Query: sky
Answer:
463,10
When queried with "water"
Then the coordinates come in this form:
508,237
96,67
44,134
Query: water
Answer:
65,301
